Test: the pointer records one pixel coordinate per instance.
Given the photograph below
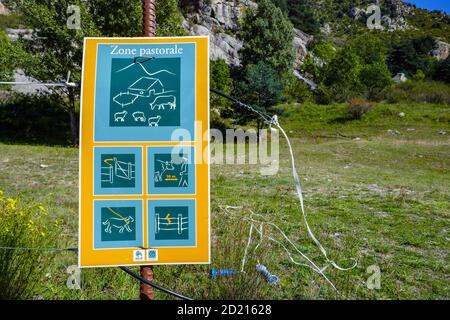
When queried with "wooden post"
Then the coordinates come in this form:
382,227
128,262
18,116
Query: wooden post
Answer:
149,22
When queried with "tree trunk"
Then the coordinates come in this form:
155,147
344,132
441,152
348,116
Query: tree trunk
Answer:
73,118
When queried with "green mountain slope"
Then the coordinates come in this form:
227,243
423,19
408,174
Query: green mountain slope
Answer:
343,18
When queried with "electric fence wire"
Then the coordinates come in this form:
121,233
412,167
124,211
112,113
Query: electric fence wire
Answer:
38,249
128,271
66,83
273,121
150,283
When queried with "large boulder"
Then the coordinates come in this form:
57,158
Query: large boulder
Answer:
442,50
400,78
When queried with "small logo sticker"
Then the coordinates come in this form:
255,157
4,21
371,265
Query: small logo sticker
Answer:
138,255
152,254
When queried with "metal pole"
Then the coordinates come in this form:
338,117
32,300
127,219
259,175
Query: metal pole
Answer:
149,18
146,292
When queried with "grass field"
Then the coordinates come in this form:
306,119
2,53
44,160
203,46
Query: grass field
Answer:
376,189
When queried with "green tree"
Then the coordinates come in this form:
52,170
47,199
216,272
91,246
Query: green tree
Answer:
262,88
370,48
282,4
169,21
301,14
10,57
374,75
320,55
410,55
324,51
341,75
296,90
55,49
220,79
268,36
419,76
374,78
115,18
443,71
303,17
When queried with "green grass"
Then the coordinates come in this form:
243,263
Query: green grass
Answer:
377,195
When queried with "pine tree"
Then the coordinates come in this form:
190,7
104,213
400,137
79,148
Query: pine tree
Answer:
268,36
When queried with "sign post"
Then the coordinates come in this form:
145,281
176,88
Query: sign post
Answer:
149,15
144,152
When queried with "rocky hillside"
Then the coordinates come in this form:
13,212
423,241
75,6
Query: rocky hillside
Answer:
220,20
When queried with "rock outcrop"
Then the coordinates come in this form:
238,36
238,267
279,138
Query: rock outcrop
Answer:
442,50
396,20
400,78
300,42
220,20
3,10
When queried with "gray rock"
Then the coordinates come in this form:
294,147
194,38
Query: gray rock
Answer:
326,29
309,82
219,19
15,34
300,41
3,10
356,13
442,50
400,78
19,76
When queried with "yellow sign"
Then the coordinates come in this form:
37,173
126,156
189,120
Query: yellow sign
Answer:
144,152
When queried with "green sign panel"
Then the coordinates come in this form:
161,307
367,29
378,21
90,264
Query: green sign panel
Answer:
118,223
118,170
145,92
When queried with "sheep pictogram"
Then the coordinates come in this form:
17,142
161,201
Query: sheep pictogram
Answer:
153,121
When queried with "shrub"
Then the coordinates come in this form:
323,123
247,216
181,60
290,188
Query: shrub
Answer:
419,76
38,118
8,56
410,55
21,225
419,91
322,95
220,79
357,108
218,122
296,91
375,78
443,71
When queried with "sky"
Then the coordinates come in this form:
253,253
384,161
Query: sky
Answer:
432,4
